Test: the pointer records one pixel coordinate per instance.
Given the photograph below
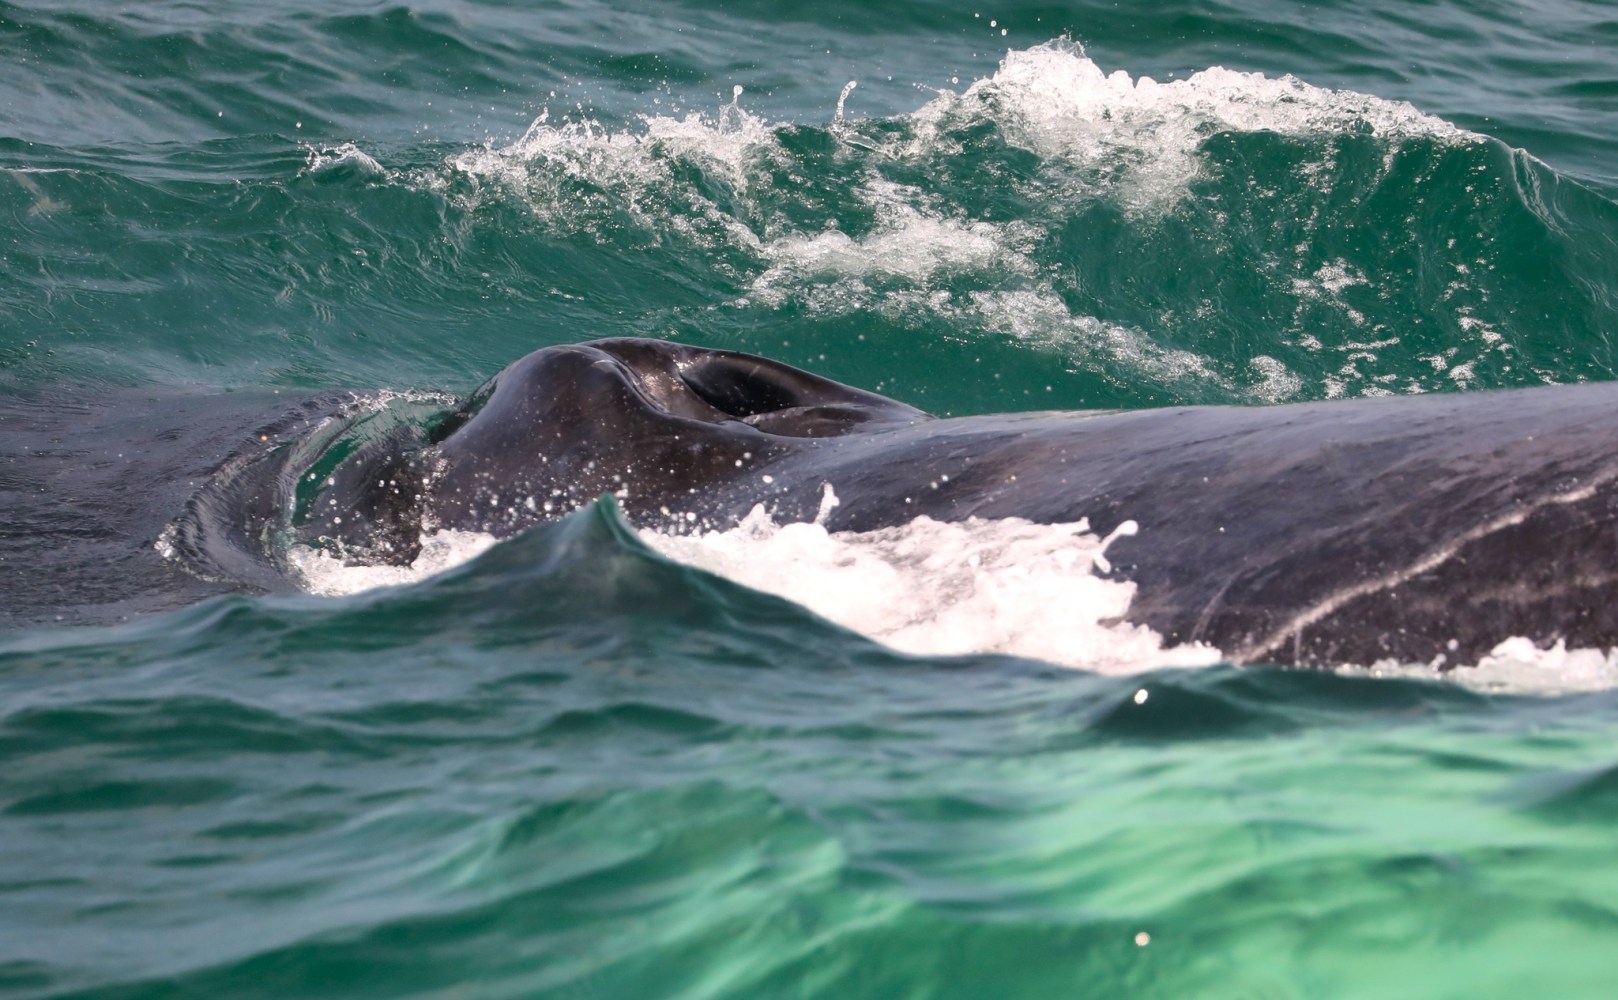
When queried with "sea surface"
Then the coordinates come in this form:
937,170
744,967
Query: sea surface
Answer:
774,762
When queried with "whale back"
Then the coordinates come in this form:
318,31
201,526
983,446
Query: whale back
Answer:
1348,531
1417,529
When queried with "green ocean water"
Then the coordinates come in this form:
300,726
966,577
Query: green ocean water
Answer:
572,767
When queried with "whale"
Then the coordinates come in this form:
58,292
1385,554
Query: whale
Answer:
1421,529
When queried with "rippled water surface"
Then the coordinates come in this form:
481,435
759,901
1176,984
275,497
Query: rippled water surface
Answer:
576,764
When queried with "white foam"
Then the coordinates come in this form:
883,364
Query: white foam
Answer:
1039,317
1274,382
326,158
324,572
1144,135
1517,666
930,588
1131,136
909,242
577,175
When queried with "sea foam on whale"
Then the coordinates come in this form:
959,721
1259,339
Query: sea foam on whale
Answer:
926,587
998,586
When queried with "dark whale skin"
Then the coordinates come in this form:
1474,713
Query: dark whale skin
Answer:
1419,529
91,483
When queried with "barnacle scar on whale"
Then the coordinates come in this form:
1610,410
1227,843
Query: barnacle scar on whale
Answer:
1415,528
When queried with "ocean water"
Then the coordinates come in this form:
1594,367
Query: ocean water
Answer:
773,761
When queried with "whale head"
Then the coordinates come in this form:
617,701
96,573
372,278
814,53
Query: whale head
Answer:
649,421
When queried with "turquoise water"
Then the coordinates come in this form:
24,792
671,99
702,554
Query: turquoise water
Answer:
574,767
